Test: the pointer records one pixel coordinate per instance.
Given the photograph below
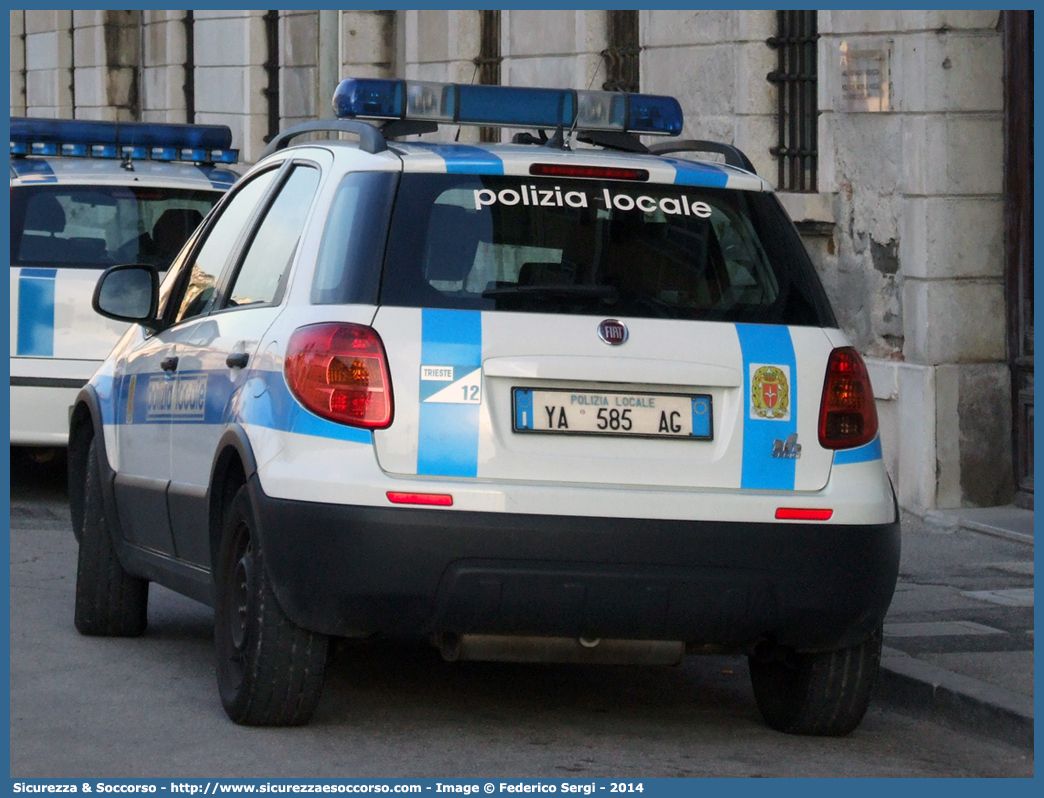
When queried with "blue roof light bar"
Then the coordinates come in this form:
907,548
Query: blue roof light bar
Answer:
507,106
137,140
515,107
135,153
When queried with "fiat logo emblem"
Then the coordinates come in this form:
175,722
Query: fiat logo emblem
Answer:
613,332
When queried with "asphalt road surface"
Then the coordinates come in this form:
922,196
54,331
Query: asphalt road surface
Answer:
148,707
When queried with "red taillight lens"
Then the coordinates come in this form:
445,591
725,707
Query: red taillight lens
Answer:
434,499
803,514
847,414
339,372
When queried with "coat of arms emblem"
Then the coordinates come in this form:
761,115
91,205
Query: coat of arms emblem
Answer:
770,394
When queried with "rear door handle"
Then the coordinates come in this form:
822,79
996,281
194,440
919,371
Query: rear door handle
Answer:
169,363
237,360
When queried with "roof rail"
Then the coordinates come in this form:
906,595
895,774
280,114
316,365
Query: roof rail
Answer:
613,140
734,156
371,139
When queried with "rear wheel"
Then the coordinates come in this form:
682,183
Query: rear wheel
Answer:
824,694
109,601
269,670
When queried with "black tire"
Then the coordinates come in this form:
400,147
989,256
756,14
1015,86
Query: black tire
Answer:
109,601
269,670
823,694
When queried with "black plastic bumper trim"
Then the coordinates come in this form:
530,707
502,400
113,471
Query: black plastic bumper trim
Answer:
358,571
46,382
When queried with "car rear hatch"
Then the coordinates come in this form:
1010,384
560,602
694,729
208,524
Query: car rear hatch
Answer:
600,332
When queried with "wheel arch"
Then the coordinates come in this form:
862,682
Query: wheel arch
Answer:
233,466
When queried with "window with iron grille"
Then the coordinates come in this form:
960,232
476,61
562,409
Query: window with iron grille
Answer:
488,61
621,56
795,77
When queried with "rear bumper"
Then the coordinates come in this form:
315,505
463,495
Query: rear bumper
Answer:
40,410
357,571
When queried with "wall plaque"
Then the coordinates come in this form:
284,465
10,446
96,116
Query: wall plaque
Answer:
866,76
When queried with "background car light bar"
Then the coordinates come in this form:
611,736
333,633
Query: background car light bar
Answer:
139,140
507,106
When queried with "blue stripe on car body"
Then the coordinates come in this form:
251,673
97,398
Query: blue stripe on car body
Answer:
36,313
263,400
766,345
860,454
448,434
691,173
33,170
462,159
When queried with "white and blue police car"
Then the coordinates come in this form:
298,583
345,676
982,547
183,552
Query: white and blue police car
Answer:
86,195
573,398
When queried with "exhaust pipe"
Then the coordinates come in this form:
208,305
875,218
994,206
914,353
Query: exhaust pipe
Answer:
583,650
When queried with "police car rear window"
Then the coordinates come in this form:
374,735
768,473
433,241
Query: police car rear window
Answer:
597,247
94,227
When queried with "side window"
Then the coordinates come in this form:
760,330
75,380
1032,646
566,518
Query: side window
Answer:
267,260
348,267
210,259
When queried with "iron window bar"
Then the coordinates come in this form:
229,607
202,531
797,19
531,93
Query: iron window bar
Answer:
796,80
621,56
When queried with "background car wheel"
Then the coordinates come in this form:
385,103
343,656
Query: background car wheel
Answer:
269,670
818,694
109,601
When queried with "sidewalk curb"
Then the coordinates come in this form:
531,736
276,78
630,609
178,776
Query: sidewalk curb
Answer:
1000,522
919,688
996,531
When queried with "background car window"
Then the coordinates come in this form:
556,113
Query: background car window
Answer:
269,255
99,226
210,258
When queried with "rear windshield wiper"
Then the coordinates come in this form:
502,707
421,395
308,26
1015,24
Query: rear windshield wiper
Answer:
605,293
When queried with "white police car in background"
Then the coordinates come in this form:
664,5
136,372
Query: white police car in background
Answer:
86,195
537,402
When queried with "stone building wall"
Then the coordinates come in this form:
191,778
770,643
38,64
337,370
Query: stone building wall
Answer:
368,44
715,63
558,49
916,277
46,52
299,99
230,52
906,229
18,65
164,66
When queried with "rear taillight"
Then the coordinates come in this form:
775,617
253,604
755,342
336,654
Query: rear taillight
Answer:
847,414
339,371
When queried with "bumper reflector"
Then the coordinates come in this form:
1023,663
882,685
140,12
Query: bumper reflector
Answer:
437,499
802,514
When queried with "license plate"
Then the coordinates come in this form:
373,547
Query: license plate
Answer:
644,415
